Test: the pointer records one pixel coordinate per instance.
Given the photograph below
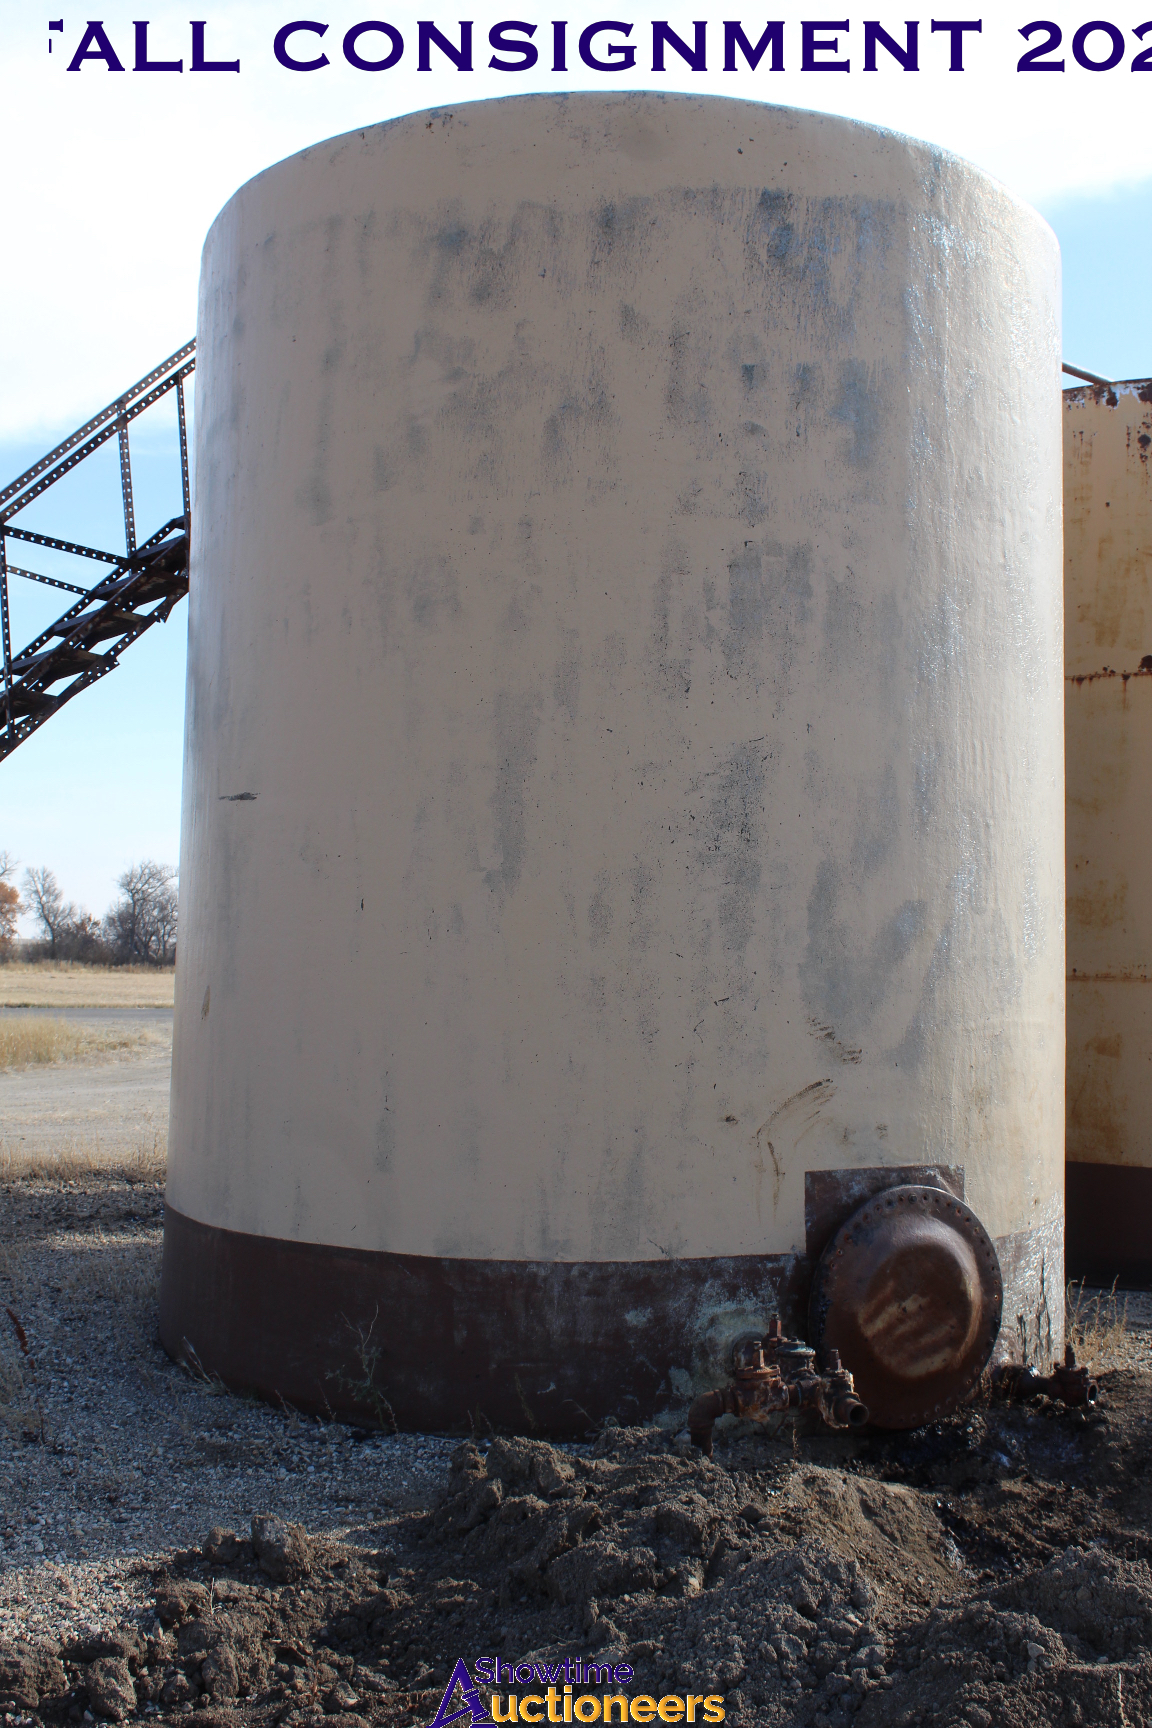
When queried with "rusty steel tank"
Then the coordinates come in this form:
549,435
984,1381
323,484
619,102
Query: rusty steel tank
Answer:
1108,718
623,804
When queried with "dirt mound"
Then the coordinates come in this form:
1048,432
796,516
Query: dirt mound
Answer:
807,1587
1071,1642
1100,1605
893,1532
773,1589
674,1563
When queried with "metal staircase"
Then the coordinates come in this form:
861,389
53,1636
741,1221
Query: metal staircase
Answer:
140,589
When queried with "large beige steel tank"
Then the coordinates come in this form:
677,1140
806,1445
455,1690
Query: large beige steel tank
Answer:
1108,653
623,804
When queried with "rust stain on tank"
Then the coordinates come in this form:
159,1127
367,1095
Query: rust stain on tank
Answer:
1097,908
1099,1102
1108,779
1144,670
1096,1131
1121,977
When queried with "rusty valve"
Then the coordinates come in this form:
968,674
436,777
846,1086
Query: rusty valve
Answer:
1069,1383
776,1374
844,1409
832,1393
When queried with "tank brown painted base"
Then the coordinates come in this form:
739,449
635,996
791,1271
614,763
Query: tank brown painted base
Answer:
539,1347
1109,1223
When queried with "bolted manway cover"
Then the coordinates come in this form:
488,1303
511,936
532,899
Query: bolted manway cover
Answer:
909,1292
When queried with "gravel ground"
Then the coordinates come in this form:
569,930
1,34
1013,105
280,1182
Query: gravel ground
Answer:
990,1569
993,1569
139,1457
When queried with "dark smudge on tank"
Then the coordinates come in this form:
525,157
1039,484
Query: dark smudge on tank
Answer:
443,244
619,1201
619,233
673,672
731,840
646,1006
434,591
314,494
769,589
790,241
577,426
642,922
566,675
877,824
687,398
600,922
385,1143
926,788
860,406
845,982
517,721
847,626
970,940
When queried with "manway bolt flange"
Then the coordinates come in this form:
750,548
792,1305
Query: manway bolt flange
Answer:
909,1292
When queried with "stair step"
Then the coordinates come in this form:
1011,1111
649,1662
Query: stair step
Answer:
26,702
99,626
63,661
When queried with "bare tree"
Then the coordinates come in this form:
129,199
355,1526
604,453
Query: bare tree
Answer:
142,926
10,907
46,904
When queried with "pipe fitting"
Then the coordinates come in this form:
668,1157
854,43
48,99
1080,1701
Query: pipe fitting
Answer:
1068,1383
774,1375
702,1417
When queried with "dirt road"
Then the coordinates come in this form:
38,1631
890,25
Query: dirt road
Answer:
105,1109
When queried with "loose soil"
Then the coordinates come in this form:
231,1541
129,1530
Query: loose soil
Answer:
173,1551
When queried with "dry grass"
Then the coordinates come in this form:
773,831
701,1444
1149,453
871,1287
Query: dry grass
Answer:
28,1041
1097,1328
66,984
143,1164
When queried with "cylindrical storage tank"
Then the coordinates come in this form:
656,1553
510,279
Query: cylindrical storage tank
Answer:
1108,656
623,808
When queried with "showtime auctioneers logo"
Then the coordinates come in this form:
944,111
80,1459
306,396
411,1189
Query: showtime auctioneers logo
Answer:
562,1702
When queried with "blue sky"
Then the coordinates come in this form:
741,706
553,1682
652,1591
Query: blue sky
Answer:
99,786
120,177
